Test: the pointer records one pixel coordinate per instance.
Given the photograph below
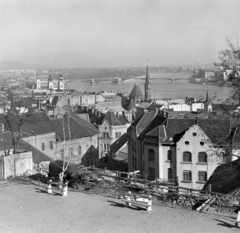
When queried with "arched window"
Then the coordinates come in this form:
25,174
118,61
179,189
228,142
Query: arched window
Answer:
151,173
119,134
151,155
116,134
187,156
107,135
169,155
202,157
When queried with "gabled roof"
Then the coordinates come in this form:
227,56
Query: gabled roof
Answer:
157,120
112,119
176,127
119,143
136,92
85,124
217,130
144,121
131,105
159,132
36,123
78,128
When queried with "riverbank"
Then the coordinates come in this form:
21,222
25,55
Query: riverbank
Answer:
28,208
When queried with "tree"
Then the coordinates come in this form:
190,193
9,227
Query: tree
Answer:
19,111
230,64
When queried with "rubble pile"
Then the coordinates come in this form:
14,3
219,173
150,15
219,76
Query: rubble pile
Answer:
41,168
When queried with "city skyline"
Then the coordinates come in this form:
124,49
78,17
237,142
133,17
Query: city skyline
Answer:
116,33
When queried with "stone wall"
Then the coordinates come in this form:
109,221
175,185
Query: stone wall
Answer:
17,164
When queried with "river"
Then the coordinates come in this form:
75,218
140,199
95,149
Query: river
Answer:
161,87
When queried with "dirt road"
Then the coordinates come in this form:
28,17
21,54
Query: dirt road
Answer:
27,208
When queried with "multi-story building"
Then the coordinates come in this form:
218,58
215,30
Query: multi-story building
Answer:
111,126
183,150
76,140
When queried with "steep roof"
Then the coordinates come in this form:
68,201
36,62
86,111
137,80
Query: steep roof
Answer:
159,132
131,105
136,92
144,121
78,128
119,143
112,119
85,124
176,127
38,123
217,130
157,120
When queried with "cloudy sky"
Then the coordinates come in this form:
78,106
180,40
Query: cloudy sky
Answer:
116,32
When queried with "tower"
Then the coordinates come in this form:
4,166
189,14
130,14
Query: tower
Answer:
50,81
60,81
147,86
38,82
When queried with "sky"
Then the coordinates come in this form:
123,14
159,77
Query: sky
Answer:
116,33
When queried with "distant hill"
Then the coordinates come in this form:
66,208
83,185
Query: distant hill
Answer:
13,65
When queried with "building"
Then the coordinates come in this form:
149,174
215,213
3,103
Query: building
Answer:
76,140
111,126
136,96
174,149
119,154
51,84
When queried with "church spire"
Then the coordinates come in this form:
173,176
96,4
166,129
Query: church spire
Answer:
147,85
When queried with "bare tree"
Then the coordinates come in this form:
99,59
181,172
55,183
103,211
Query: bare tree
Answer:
230,64
18,112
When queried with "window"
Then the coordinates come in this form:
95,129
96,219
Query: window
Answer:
119,134
104,135
135,162
151,173
201,143
187,142
107,135
202,176
79,150
51,144
187,156
187,176
202,157
116,134
169,173
151,155
169,155
143,166
194,134
43,146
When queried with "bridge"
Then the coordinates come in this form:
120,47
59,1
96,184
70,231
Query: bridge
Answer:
109,80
